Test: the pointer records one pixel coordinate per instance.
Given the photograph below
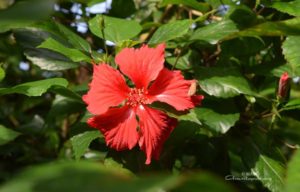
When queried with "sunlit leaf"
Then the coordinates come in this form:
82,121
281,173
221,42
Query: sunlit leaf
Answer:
170,31
293,176
217,122
223,82
291,7
114,29
214,32
2,74
81,142
7,135
34,88
74,54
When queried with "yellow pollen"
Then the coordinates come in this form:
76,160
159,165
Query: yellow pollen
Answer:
137,97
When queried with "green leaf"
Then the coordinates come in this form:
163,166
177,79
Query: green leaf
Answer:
81,142
44,58
114,29
203,182
269,28
241,47
216,120
291,8
112,164
74,54
292,70
35,88
183,62
74,39
290,49
170,31
292,104
51,64
24,13
200,6
67,176
242,15
214,32
223,82
264,161
94,177
293,173
2,74
7,135
270,172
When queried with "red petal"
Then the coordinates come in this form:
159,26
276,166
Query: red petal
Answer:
107,89
141,65
155,127
119,127
171,87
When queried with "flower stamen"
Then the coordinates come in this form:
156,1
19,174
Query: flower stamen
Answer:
137,97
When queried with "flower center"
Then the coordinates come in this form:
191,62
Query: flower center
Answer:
137,97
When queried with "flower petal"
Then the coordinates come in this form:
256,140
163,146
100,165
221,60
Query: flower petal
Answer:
141,65
171,87
119,127
155,127
107,89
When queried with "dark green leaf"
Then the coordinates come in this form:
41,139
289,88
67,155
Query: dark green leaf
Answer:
81,142
122,8
241,47
7,135
35,88
242,15
114,29
214,32
24,13
74,54
94,177
68,176
170,31
200,6
74,39
203,182
223,82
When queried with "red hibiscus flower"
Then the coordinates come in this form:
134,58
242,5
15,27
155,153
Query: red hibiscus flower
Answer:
123,114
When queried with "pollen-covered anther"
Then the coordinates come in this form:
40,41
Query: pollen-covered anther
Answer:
137,97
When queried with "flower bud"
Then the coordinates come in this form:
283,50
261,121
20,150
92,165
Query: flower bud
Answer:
283,86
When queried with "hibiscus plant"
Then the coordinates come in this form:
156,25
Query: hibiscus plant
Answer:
149,95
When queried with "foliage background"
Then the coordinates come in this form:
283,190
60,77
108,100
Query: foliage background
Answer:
242,138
